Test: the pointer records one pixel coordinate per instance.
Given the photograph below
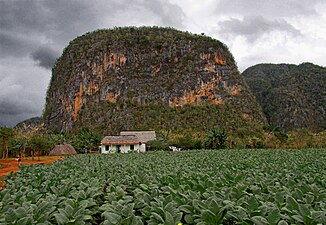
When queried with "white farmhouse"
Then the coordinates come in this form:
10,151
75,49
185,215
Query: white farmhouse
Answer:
127,141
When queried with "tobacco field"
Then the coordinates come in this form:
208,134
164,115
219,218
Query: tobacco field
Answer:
191,187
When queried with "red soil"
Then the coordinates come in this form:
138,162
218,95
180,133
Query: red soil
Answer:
11,165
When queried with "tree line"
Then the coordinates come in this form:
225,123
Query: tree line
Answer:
35,141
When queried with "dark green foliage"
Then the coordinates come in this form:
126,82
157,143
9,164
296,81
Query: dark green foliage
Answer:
6,134
282,136
186,142
292,97
190,187
216,139
157,145
86,140
40,143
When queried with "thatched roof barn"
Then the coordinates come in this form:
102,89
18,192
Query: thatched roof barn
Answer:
143,136
65,149
120,140
127,141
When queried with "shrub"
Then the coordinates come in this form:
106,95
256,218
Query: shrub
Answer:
157,145
216,139
255,142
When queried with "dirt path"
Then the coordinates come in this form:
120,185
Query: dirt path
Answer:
11,165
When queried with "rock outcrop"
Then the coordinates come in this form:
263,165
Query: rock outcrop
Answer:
148,78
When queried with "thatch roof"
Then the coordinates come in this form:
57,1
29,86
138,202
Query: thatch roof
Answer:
143,136
65,149
120,140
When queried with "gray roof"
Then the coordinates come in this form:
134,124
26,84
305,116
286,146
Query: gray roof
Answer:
121,139
143,136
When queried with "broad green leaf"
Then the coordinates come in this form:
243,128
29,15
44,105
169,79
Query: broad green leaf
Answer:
304,211
189,219
279,198
178,216
82,194
298,218
282,222
136,221
112,217
25,220
221,215
168,218
144,187
309,198
292,203
127,210
157,217
213,206
274,216
259,220
69,210
298,194
252,203
198,205
319,216
208,216
185,208
21,212
87,217
127,220
170,207
61,218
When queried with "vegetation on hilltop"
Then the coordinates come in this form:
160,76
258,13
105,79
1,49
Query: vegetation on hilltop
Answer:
291,97
31,122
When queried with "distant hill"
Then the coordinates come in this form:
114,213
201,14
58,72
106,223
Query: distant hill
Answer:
291,96
148,78
35,121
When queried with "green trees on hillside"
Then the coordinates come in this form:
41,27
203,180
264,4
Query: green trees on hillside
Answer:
291,97
5,135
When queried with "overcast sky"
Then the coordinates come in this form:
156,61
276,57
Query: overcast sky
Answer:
33,34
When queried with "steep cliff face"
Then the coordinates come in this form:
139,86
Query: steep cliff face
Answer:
291,96
148,78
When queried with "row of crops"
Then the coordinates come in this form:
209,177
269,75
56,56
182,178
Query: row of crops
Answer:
193,187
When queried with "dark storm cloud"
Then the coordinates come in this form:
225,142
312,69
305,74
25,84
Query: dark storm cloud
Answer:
45,57
34,32
43,21
253,27
14,45
15,107
60,21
